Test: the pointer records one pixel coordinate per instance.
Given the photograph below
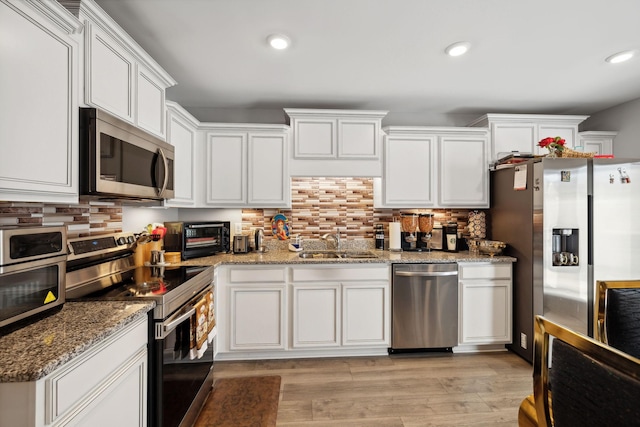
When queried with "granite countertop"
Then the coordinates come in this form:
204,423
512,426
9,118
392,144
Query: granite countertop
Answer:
36,350
386,257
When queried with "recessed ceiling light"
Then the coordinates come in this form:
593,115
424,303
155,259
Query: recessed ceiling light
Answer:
620,57
458,48
278,41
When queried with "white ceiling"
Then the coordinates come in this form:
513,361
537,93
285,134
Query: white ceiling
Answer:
527,56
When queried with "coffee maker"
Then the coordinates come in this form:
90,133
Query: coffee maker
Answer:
409,232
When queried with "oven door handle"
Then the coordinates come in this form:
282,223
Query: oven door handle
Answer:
170,324
165,328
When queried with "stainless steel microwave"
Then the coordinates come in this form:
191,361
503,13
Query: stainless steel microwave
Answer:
120,161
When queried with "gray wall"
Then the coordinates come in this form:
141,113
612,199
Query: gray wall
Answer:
278,116
624,119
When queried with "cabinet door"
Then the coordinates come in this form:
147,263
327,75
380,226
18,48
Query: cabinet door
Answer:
485,311
269,182
358,139
365,313
123,402
257,318
598,142
408,171
316,316
39,103
464,173
568,132
315,138
509,137
150,103
181,133
226,169
110,77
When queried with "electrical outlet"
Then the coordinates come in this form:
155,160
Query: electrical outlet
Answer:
238,228
523,340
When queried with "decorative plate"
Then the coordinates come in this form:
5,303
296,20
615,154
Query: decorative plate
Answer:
280,227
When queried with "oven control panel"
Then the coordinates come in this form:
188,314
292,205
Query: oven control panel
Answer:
83,247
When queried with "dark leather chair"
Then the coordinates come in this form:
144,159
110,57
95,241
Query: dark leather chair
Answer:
590,384
618,315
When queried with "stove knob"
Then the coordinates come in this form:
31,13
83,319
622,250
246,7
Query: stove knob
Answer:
122,240
130,239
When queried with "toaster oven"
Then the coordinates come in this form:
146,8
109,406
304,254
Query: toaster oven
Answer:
197,239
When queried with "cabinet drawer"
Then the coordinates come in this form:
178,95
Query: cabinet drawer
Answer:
485,271
329,273
256,275
78,379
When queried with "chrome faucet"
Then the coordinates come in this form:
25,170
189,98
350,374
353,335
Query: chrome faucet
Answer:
335,237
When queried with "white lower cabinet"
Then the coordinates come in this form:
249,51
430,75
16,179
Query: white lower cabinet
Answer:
352,305
105,386
485,303
365,314
257,317
250,306
316,315
302,311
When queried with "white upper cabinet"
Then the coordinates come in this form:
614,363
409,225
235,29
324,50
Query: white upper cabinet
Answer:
522,132
120,77
335,142
38,102
246,165
599,142
182,133
409,169
463,163
429,167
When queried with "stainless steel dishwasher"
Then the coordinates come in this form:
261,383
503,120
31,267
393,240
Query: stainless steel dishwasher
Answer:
424,306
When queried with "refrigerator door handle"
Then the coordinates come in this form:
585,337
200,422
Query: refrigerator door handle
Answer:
590,229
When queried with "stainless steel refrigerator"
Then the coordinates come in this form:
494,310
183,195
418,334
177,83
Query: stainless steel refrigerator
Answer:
569,222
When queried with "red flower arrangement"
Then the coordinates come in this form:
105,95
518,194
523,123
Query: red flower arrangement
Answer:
554,145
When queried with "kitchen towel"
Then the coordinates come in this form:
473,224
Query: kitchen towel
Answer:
394,236
199,329
211,317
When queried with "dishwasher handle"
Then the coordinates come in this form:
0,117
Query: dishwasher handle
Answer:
425,273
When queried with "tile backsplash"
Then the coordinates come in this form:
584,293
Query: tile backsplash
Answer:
81,219
320,205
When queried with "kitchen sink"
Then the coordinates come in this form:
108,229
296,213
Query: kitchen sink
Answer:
341,254
318,254
358,254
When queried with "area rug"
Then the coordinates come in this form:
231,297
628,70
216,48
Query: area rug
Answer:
242,402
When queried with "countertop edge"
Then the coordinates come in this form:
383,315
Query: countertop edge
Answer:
384,257
36,350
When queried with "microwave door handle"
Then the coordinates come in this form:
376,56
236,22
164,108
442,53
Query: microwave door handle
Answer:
166,173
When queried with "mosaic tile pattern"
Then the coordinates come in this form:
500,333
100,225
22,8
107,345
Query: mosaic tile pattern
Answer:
319,205
85,218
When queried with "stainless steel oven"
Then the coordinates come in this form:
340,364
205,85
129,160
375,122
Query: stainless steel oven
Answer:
183,379
180,372
32,273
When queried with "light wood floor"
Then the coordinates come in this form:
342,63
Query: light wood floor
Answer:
401,390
